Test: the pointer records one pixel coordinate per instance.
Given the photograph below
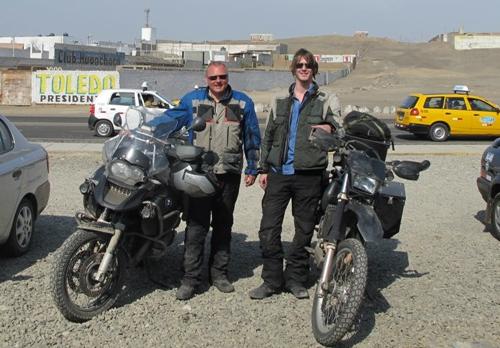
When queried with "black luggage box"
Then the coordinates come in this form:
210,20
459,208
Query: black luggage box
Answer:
389,205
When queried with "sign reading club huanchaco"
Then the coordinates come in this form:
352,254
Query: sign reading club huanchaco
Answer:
71,87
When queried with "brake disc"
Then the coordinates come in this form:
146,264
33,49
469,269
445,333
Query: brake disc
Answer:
88,285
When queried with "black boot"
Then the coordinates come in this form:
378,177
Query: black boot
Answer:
262,292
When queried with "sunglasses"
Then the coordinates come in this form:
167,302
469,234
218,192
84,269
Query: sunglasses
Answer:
303,66
221,77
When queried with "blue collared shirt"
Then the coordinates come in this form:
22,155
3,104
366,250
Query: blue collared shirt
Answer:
288,168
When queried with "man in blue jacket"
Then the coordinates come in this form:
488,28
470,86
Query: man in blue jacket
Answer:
232,129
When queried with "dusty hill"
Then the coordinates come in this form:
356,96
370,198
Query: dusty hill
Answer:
387,70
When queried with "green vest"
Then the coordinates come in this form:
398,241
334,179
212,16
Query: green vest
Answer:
316,110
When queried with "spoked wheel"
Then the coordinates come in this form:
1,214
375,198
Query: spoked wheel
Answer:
334,312
77,294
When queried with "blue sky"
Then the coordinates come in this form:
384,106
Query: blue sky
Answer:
195,20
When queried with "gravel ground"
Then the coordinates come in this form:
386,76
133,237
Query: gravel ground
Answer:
436,285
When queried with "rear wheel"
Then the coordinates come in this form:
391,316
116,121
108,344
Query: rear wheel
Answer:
334,312
103,128
439,132
22,229
76,292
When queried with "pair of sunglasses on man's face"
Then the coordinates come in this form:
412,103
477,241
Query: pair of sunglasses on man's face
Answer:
303,66
220,77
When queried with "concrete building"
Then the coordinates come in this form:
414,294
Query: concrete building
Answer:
41,47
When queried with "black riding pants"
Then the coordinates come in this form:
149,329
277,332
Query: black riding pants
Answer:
304,190
216,211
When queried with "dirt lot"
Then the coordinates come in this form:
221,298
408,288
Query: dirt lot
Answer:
435,285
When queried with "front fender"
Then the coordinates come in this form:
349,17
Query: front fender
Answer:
368,222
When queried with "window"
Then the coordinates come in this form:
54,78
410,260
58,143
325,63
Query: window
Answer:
152,101
479,105
122,98
434,102
455,103
409,102
6,141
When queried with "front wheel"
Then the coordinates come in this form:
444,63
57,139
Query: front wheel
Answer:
76,293
335,310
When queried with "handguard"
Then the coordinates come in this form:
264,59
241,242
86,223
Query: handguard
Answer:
409,170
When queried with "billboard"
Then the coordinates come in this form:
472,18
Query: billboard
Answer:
71,87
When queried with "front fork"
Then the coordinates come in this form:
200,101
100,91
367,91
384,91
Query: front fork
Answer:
330,246
110,250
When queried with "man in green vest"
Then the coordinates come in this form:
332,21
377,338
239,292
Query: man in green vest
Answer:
292,168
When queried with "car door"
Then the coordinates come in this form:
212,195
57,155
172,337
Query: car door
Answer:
11,176
457,115
120,101
484,117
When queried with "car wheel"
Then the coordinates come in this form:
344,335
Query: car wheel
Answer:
439,132
495,217
103,128
22,229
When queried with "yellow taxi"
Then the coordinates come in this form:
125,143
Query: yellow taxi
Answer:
440,115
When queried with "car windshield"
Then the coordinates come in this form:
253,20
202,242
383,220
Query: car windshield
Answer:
143,140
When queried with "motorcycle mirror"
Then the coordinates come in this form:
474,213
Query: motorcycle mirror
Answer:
199,124
133,119
409,170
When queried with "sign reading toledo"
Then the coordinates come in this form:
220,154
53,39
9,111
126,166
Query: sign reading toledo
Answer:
71,87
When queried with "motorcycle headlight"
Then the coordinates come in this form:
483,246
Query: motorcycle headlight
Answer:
365,183
126,173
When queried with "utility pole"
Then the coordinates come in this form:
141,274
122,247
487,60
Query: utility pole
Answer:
147,17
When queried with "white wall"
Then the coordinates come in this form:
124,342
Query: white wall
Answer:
470,42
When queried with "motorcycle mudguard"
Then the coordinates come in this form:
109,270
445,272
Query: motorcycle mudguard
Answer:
368,222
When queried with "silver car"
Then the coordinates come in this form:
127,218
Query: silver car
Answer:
24,188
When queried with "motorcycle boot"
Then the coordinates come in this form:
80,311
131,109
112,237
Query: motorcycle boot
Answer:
185,292
262,291
223,284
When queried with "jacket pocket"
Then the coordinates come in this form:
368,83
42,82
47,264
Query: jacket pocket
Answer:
232,162
232,134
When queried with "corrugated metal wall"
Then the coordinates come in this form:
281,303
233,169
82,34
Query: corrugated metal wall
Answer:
15,87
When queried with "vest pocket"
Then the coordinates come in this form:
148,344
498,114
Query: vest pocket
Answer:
232,135
232,162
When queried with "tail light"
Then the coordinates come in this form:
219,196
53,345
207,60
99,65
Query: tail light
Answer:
414,112
92,109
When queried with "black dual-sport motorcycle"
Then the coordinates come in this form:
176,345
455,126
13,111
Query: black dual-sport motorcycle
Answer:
360,204
133,203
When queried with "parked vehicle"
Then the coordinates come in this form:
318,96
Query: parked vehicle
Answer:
112,102
133,203
360,204
24,188
440,115
488,184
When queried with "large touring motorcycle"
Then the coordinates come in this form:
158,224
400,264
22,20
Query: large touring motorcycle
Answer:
132,205
361,203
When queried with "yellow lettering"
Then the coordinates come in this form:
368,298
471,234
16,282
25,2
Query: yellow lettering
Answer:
43,82
94,84
58,83
108,82
83,84
69,85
